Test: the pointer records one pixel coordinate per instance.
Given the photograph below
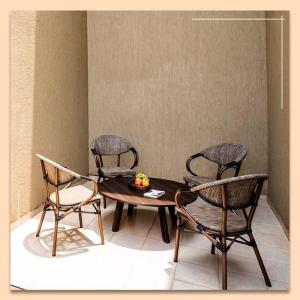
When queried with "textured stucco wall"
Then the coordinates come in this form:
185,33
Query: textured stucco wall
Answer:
278,119
173,86
48,99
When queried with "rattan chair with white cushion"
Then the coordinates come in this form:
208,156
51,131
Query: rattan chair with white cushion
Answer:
67,195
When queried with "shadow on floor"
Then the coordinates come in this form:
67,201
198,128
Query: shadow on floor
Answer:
69,242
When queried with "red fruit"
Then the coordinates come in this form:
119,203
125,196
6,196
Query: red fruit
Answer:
138,182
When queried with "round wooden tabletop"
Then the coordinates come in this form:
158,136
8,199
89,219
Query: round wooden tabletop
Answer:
117,188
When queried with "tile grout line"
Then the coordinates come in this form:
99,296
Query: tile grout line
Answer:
192,283
176,263
148,232
175,268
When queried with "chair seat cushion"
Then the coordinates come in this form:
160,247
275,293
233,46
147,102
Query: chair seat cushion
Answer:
117,171
211,216
196,180
73,195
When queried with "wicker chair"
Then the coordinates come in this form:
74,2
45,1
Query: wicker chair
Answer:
211,215
226,155
68,199
108,145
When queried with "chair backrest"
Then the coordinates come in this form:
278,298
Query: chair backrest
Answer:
234,192
110,145
56,174
225,153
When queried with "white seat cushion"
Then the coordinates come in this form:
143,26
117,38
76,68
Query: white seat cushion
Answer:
73,195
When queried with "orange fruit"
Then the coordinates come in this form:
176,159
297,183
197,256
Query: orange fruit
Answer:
145,182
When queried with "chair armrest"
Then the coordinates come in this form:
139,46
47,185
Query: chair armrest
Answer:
136,157
96,158
227,180
61,167
188,162
180,206
231,165
77,180
86,178
178,202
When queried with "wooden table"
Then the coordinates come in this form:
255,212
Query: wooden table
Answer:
118,189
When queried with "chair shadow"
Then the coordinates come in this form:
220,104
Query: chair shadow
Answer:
73,242
69,242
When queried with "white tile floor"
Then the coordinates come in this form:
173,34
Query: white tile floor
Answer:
136,258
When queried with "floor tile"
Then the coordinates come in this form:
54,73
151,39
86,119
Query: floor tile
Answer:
246,282
195,240
140,223
266,252
158,245
197,274
279,286
153,270
136,258
181,285
198,256
276,240
127,240
276,270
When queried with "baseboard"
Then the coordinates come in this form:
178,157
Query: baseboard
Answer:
26,217
279,218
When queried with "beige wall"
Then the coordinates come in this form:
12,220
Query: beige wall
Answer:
170,85
173,86
48,110
278,119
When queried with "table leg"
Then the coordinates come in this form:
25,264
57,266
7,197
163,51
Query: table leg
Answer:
163,224
117,216
172,214
130,209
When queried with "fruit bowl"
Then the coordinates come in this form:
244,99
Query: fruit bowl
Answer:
139,182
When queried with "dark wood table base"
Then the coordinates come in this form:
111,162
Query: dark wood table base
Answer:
161,213
117,216
118,190
163,224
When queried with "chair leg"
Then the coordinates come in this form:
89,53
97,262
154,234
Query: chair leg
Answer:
55,236
177,239
100,179
224,271
130,210
213,249
80,218
260,261
104,201
224,265
100,223
41,221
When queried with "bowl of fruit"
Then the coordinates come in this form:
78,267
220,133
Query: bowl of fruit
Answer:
139,182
